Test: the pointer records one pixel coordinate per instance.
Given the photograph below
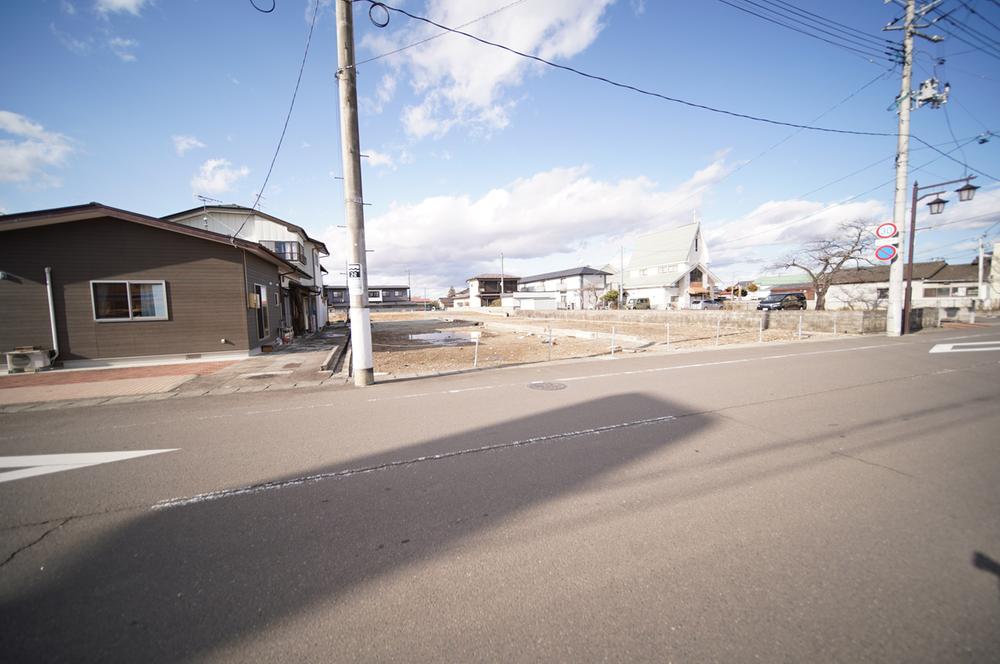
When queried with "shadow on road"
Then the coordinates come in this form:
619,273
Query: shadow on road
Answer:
180,583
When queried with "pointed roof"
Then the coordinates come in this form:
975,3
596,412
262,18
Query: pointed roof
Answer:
664,247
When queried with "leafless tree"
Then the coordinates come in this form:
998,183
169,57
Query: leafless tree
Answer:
822,259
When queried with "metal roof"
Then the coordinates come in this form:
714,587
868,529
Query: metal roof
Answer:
572,272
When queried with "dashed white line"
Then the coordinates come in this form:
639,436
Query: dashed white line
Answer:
348,472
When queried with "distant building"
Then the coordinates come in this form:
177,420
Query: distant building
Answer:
379,297
484,289
669,267
575,288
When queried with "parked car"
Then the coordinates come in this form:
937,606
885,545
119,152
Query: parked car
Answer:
706,304
782,301
637,303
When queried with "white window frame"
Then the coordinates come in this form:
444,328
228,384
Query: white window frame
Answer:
128,289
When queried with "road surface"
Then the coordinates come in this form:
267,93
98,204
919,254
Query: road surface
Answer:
832,501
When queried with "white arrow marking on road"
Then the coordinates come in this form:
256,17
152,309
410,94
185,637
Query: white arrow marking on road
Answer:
42,464
980,346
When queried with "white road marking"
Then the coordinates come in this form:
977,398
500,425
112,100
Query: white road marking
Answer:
956,348
348,472
33,465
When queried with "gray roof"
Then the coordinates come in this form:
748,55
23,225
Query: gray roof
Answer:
493,276
572,272
662,248
880,273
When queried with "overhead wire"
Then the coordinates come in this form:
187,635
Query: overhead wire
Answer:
288,117
633,88
867,52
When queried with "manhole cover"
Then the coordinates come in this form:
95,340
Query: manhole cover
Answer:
547,387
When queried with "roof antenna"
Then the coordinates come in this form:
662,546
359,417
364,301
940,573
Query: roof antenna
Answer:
205,200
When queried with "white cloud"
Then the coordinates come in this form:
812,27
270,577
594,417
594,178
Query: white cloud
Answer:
461,82
183,143
555,214
119,6
380,159
384,92
24,158
67,7
638,7
122,47
217,176
71,43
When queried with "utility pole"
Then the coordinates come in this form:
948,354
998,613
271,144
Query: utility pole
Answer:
501,281
894,317
894,323
621,276
979,290
361,326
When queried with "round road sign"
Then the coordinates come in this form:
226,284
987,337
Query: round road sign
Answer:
885,253
886,231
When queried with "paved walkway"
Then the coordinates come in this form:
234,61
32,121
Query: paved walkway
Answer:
294,366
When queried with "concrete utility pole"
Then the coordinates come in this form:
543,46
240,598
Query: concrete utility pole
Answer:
894,314
979,290
501,281
361,326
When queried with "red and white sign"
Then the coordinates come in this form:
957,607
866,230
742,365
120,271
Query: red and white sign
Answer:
886,252
886,231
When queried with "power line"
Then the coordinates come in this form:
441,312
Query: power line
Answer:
980,15
881,41
633,88
440,34
288,116
982,46
866,52
831,206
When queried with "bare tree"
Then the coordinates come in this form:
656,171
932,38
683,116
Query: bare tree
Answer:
822,259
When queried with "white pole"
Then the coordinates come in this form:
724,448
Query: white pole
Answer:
979,290
894,314
475,358
800,326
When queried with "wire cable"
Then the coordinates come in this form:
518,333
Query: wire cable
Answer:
288,116
440,34
633,88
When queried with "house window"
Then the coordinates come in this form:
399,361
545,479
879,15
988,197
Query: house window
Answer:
882,293
374,295
937,292
643,272
972,291
129,300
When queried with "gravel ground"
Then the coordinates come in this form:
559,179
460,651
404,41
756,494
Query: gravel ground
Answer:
399,348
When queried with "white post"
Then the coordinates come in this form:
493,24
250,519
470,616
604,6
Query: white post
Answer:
800,326
475,358
612,341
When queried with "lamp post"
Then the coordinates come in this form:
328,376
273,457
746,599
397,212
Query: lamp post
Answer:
936,206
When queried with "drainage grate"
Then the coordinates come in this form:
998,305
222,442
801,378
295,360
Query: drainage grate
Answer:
547,387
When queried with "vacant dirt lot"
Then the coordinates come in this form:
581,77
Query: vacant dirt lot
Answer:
418,342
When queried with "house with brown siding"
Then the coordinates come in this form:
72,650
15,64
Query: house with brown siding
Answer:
126,287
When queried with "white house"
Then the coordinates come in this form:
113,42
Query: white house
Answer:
935,284
484,290
576,288
669,267
302,304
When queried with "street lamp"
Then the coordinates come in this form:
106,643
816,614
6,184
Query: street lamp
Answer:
965,193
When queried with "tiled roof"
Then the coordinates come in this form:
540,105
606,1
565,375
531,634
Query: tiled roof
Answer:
880,273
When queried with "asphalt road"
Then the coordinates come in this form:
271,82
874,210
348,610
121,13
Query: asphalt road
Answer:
834,501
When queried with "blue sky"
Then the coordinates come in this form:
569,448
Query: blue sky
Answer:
142,104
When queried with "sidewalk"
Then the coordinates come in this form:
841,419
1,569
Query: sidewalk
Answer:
292,366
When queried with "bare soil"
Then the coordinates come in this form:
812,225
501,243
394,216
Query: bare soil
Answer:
507,341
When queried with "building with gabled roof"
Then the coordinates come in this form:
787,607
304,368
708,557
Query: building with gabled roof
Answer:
574,288
668,267
94,285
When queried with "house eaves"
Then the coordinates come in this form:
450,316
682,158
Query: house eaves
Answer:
245,210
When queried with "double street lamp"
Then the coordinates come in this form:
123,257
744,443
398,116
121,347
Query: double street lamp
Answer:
965,193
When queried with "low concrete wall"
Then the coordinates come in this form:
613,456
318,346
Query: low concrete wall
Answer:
842,322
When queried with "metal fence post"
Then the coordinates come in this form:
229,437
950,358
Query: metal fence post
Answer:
800,327
475,358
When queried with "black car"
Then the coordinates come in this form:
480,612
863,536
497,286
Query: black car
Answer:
782,301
